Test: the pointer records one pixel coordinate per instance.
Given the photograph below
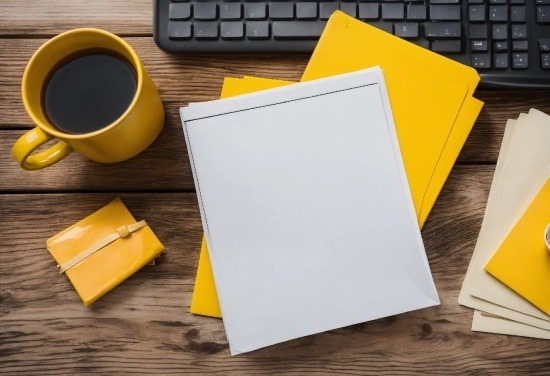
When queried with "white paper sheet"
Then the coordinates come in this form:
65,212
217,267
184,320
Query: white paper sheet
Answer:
306,209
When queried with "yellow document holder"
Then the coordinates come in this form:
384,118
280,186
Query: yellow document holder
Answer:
103,249
430,96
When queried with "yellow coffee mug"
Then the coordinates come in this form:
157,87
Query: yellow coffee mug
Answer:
128,135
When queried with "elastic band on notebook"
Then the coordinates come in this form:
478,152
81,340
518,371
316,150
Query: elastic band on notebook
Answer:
121,232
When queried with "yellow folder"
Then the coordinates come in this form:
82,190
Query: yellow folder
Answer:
430,95
432,105
522,262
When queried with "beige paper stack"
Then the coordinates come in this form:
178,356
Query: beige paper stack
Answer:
522,169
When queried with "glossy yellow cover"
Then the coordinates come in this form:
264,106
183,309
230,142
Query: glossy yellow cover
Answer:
522,262
112,264
430,95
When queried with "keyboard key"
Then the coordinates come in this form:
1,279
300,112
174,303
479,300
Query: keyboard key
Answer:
206,30
520,45
369,11
545,61
230,11
416,12
349,8
477,31
445,12
438,30
519,31
446,45
406,29
422,43
306,10
297,29
479,45
517,14
255,11
498,13
232,30
499,32
179,30
544,45
444,1
476,13
501,45
500,60
257,30
393,11
205,11
520,61
326,9
386,26
281,11
543,14
179,11
481,61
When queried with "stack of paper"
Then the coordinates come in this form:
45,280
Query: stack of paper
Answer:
302,191
431,100
508,280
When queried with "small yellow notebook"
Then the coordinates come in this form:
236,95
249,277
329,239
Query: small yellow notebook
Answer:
522,262
103,249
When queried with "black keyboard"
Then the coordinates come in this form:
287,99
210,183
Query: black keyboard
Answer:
507,41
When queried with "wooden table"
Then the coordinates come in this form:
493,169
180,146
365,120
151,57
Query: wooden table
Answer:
144,325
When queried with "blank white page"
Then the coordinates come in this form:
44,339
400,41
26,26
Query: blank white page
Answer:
306,209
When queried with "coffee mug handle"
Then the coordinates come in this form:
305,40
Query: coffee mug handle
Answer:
32,140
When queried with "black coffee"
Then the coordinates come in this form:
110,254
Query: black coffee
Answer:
89,92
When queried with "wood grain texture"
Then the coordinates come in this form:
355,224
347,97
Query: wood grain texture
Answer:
143,326
33,18
164,166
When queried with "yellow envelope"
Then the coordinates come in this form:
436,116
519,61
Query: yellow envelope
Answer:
430,95
522,262
432,105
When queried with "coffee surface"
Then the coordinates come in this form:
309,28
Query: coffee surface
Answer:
89,92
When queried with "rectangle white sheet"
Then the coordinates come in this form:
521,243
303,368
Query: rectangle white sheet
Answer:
306,209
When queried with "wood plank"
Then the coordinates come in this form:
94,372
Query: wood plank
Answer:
163,166
143,326
47,18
